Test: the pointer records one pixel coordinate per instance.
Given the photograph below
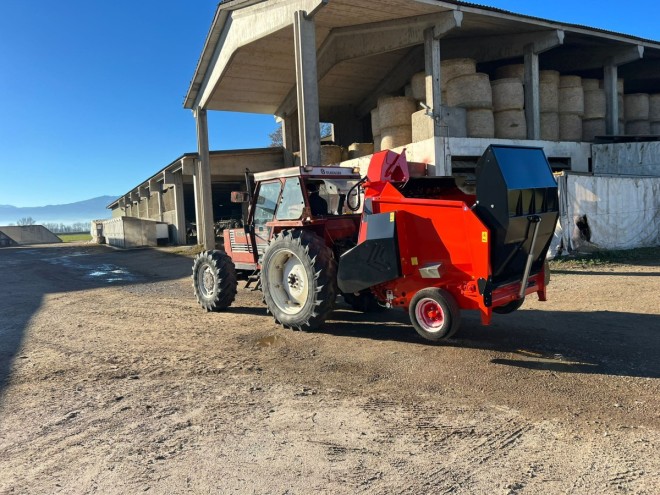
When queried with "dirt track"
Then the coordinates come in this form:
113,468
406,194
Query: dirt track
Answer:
112,380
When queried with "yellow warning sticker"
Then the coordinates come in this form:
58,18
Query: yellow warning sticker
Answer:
413,261
391,216
484,236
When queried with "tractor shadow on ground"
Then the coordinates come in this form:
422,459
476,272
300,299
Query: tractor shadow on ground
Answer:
599,342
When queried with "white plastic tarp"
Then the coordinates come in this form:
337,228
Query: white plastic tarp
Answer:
606,212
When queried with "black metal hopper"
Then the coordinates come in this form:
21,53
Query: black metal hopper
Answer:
516,198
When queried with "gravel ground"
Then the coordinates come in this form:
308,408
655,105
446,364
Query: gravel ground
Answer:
113,380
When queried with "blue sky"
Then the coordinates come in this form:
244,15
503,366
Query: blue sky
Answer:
91,92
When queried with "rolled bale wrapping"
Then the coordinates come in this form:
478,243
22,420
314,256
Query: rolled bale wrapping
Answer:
571,96
654,108
595,104
356,150
395,111
330,154
508,94
510,124
570,127
418,86
454,67
480,123
637,107
638,128
592,128
550,126
515,71
470,91
393,137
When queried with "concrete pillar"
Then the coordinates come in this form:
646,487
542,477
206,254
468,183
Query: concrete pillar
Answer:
156,188
611,76
532,93
180,218
307,91
434,100
205,231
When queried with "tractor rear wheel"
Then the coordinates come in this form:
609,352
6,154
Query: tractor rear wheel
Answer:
299,279
435,314
214,280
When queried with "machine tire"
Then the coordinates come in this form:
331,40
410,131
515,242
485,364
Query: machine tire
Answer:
214,280
423,312
299,279
509,307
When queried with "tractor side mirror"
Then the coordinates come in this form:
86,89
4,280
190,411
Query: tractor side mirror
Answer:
239,197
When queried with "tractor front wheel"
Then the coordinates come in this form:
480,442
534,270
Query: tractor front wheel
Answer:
214,280
299,279
435,314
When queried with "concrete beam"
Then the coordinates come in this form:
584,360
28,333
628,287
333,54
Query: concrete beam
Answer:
143,192
203,172
135,197
490,48
168,178
576,59
394,80
532,92
242,28
188,165
307,90
155,186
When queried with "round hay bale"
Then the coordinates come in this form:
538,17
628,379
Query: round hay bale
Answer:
570,127
393,137
515,71
454,67
330,154
590,84
592,128
655,128
422,126
570,82
510,124
395,111
407,91
549,96
377,140
571,100
550,126
595,104
375,122
356,150
418,86
637,107
508,94
654,108
549,76
470,91
638,128
344,154
480,123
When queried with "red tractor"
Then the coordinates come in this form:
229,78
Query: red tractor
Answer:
419,243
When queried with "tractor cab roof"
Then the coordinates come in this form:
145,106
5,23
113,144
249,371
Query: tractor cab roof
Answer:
309,172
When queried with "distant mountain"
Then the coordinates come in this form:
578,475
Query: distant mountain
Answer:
81,211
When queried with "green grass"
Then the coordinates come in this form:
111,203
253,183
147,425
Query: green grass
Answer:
627,257
75,237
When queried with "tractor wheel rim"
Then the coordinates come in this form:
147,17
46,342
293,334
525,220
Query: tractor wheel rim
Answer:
430,315
289,288
206,281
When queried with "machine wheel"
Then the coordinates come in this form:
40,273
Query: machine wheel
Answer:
299,279
509,307
214,280
435,314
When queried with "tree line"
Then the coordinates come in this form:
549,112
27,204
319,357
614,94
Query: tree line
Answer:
56,228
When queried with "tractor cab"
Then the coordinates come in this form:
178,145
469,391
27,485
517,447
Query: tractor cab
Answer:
316,198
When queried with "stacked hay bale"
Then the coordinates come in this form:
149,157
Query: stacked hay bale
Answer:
571,108
508,108
549,103
654,113
356,150
637,113
470,90
516,71
394,119
595,104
